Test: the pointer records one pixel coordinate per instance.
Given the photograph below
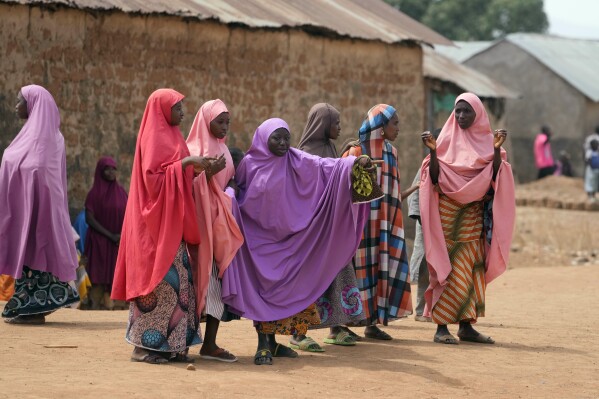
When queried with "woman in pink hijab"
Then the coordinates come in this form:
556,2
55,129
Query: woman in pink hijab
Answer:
221,237
467,210
36,241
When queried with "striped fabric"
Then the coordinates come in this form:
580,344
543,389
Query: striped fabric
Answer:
381,261
215,306
463,298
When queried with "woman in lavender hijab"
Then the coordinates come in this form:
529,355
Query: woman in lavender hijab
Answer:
300,227
36,242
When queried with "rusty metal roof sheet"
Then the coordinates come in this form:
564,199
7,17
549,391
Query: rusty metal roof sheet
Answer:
359,19
438,66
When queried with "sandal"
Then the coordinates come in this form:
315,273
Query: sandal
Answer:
221,355
343,338
447,339
263,357
283,351
479,339
307,344
377,334
352,334
150,358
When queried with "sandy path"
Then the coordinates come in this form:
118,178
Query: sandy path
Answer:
541,318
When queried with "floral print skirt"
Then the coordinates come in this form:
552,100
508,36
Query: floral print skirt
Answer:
165,320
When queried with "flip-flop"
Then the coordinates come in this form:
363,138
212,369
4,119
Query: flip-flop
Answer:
479,339
343,338
150,358
380,335
221,355
447,339
263,354
283,351
308,345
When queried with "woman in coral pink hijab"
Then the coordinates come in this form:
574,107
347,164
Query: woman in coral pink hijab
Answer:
467,210
160,232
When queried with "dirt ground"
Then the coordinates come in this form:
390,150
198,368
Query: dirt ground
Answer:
541,312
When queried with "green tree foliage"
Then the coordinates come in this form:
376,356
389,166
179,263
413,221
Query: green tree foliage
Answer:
476,19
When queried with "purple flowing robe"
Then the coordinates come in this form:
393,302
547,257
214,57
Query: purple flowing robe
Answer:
35,229
300,227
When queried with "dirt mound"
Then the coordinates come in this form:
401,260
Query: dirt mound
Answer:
555,192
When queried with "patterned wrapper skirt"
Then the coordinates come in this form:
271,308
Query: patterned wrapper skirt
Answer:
341,303
39,292
463,298
296,324
165,320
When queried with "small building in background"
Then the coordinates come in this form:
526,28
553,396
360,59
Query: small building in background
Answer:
558,82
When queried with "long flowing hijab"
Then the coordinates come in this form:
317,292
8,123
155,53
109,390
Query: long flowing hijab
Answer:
465,175
107,201
160,211
316,137
221,236
300,229
35,228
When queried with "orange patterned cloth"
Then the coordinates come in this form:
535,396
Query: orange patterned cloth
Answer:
297,324
7,287
463,298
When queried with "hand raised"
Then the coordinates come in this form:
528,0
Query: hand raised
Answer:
218,165
499,137
429,141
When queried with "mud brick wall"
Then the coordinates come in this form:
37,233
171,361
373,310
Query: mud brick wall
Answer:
102,66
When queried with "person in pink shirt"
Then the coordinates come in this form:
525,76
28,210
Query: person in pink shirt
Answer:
542,150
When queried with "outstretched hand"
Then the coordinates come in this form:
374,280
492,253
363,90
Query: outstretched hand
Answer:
499,137
429,141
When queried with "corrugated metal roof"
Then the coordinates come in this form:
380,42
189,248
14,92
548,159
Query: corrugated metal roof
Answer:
576,61
360,19
438,66
461,51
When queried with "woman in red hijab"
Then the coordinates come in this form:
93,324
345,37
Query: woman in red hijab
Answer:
160,230
104,212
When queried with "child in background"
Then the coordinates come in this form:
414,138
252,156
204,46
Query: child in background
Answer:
591,176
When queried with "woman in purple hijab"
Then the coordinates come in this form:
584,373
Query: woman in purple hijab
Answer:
36,241
300,227
104,212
